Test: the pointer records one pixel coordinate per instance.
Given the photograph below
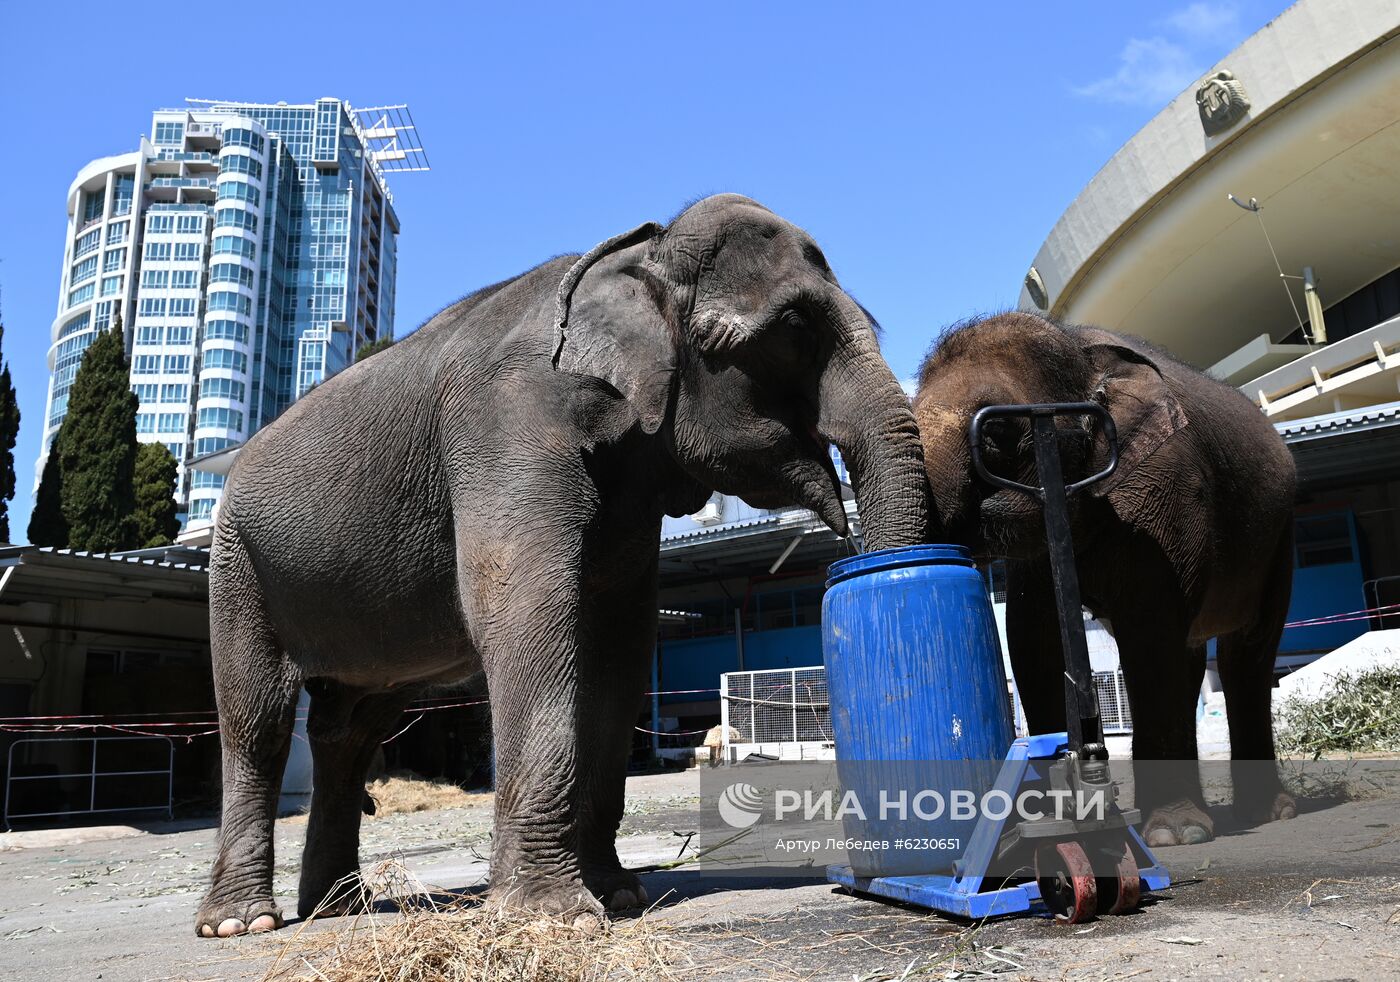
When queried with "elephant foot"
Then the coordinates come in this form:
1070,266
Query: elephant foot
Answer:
554,898
1260,809
339,897
1181,823
228,919
617,888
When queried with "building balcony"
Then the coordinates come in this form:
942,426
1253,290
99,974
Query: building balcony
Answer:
1357,371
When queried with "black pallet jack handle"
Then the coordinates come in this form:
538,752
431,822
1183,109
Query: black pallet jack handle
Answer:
1083,723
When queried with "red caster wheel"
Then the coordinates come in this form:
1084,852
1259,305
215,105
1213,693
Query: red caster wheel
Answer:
1120,894
1067,883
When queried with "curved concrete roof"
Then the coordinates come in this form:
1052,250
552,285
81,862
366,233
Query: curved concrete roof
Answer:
99,168
1152,246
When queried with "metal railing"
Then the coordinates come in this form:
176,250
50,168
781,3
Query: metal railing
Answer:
93,775
785,705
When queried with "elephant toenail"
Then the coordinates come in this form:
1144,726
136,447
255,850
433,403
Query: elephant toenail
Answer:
261,923
1193,834
622,900
206,931
590,924
1161,837
231,927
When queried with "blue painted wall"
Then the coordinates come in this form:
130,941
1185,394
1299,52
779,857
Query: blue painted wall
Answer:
697,663
1324,588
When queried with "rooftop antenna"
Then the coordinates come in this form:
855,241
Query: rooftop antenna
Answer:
1318,334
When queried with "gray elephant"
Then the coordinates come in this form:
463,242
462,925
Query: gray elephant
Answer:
487,495
1190,539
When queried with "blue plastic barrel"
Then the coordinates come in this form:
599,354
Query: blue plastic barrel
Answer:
918,696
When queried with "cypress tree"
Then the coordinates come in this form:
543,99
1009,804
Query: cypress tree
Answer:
9,432
156,470
97,448
47,526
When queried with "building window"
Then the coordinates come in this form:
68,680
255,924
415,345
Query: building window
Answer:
224,300
236,245
145,422
229,419
225,358
170,423
174,393
189,224
92,206
123,190
145,391
238,163
104,315
236,218
239,137
182,306
84,270
157,251
234,190
117,232
111,285
221,388
113,260
176,364
211,444
187,251
224,330
145,365
203,479
154,279
82,294
150,335
201,508
152,307
160,224
179,334
86,243
231,273
170,134
177,450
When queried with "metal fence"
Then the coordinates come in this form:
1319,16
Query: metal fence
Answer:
1117,718
53,777
790,706
777,706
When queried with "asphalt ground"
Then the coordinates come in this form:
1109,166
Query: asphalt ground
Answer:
1314,898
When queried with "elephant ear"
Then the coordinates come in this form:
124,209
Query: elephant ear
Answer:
619,329
1145,412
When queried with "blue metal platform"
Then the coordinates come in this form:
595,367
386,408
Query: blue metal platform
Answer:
962,892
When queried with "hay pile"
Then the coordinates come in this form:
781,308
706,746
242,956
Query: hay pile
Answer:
1360,714
422,936
404,792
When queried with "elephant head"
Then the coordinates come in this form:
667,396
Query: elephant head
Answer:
731,340
1021,358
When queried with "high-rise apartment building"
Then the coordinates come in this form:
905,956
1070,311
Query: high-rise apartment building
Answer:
250,251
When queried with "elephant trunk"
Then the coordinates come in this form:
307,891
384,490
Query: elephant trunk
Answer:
948,465
867,415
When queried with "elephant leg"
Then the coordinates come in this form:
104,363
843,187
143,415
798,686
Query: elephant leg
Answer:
616,687
1033,635
346,727
1163,675
1246,662
542,722
256,690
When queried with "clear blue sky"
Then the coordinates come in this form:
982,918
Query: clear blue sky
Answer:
929,147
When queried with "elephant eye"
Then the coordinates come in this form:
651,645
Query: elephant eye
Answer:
793,321
998,436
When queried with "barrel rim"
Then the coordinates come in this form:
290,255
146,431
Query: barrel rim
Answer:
900,557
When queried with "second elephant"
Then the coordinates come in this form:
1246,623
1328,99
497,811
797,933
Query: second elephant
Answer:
1189,539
